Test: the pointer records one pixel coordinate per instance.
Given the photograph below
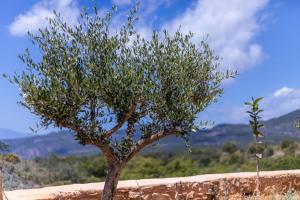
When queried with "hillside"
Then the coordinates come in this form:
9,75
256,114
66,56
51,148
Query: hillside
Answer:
63,143
59,143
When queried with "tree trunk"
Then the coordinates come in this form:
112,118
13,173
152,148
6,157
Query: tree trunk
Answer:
111,181
257,169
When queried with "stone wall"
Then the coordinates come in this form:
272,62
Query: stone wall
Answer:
223,188
203,187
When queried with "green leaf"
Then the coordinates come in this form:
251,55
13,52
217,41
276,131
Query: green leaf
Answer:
256,101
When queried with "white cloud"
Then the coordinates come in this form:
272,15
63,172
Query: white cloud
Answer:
283,101
231,25
283,92
35,18
121,2
280,102
146,15
148,7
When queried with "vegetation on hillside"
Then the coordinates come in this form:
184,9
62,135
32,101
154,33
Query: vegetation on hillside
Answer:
229,158
3,147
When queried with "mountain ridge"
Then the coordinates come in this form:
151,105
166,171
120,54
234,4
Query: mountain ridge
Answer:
63,144
11,134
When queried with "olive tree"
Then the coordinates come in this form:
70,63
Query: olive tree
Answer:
96,79
256,126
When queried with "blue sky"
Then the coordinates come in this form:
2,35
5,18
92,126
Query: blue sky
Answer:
259,38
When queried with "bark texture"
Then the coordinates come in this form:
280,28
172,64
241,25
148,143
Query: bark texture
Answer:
111,182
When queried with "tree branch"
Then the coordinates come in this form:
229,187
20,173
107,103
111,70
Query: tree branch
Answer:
93,115
149,140
122,122
107,151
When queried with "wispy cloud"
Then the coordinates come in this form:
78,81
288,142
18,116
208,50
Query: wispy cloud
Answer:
231,25
121,2
282,101
148,7
35,18
148,18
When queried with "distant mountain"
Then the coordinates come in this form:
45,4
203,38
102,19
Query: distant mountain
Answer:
275,130
63,143
59,143
9,134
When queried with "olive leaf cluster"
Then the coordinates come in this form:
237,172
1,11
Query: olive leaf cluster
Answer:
255,118
96,79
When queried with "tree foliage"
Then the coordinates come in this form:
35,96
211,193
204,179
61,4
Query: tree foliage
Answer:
94,76
255,117
90,77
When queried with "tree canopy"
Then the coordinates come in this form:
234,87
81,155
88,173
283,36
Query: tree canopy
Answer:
96,79
90,77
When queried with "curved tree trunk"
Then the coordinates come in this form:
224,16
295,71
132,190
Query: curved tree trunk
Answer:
111,181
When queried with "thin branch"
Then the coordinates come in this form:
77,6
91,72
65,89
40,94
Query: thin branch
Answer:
149,140
122,122
93,114
130,128
107,151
